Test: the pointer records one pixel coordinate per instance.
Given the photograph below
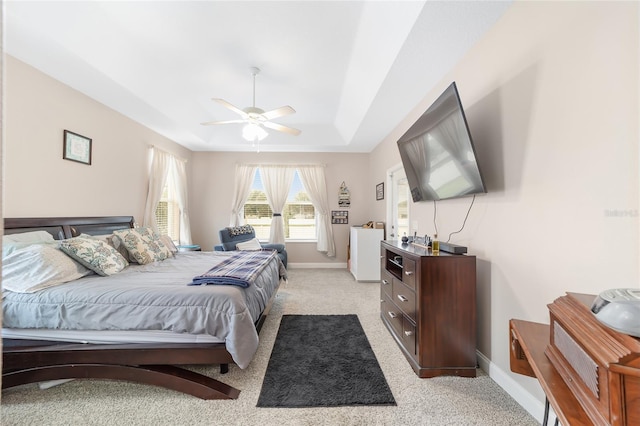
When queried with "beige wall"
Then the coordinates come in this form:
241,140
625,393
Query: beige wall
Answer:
38,182
213,185
551,96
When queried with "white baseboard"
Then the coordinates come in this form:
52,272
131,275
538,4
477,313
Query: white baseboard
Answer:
317,265
529,402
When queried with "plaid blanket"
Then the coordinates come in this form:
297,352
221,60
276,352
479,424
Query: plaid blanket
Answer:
241,269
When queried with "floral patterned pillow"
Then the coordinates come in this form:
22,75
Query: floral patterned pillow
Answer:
169,243
143,244
95,255
111,241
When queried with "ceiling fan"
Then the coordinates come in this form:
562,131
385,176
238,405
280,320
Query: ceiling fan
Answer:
256,118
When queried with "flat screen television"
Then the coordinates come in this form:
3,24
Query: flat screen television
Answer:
438,154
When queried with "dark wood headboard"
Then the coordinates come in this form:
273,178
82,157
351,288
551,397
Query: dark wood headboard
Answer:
67,227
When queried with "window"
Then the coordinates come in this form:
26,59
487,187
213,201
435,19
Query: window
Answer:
298,213
168,209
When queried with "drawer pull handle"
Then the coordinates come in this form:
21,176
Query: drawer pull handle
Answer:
385,282
408,333
408,273
402,298
392,314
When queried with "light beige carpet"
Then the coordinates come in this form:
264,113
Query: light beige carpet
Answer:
437,401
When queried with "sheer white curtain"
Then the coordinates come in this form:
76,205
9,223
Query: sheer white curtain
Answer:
314,182
158,172
277,181
180,172
244,177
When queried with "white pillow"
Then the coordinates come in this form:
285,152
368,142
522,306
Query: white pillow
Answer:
250,245
13,242
28,237
9,247
37,267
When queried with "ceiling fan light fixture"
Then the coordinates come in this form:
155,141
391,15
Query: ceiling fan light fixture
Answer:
254,132
256,119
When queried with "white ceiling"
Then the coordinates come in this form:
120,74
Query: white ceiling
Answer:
352,70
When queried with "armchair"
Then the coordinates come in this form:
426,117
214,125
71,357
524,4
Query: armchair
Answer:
229,237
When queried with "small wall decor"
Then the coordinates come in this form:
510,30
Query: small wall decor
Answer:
340,217
76,148
344,197
380,191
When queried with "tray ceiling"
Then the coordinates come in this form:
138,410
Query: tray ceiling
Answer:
352,70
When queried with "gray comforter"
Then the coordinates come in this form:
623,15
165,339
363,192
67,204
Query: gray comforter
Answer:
153,297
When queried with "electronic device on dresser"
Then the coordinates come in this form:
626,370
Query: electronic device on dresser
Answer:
452,248
428,303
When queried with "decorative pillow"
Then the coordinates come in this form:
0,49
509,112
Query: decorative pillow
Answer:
37,267
111,240
250,245
143,244
169,243
240,230
95,255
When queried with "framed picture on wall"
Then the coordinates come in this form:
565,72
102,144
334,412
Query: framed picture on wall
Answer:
339,217
76,148
380,191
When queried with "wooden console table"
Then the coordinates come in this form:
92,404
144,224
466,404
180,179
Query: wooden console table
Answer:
590,373
528,343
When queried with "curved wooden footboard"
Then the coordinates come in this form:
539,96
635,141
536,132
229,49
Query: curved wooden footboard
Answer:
153,364
166,376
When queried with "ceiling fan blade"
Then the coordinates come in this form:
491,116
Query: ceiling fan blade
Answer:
231,107
281,128
210,123
278,112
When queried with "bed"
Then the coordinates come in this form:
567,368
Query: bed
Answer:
142,324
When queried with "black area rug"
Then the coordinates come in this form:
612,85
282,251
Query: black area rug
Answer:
323,361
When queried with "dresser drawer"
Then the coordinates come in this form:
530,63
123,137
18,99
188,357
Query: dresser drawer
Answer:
386,283
409,337
404,298
392,315
409,272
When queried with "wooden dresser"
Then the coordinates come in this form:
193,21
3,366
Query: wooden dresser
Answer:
428,303
590,373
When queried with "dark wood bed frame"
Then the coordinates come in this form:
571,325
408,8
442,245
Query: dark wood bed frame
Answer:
31,361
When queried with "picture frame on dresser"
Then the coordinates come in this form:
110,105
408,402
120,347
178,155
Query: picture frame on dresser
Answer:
76,147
